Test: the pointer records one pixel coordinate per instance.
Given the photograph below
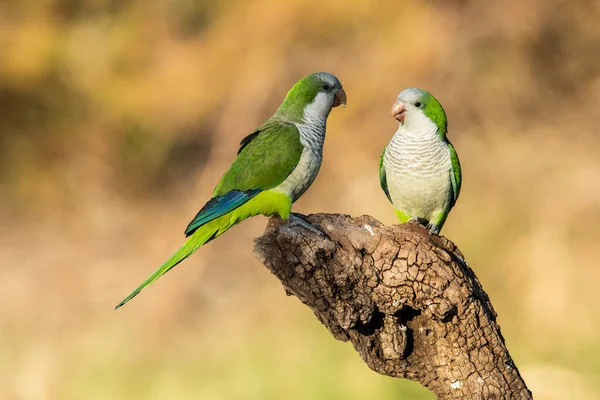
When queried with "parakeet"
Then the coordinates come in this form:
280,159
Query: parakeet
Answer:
275,165
419,169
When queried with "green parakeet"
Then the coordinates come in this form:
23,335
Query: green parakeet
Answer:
419,169
275,165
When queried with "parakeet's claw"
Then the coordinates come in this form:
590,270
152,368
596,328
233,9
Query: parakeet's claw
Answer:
433,228
299,220
420,221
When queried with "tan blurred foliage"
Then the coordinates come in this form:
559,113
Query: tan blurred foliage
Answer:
117,118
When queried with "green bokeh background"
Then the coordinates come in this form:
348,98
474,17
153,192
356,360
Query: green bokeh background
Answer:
117,118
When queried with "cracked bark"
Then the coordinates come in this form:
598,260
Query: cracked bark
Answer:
405,299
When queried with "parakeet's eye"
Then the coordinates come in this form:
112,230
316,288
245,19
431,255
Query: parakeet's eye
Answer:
326,87
418,104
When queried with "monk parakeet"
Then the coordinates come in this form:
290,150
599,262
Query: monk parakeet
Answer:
419,169
274,166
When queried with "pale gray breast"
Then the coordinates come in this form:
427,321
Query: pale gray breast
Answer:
418,172
312,137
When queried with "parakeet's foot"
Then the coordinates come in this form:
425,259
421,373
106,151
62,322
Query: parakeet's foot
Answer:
433,228
420,221
298,220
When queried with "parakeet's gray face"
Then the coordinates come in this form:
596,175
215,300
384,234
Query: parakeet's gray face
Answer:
312,98
418,108
409,101
330,90
328,79
328,93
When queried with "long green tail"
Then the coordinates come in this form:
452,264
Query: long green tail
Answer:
203,235
267,203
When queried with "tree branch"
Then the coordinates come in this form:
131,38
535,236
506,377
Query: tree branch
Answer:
406,300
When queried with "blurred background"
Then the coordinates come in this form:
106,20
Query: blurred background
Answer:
117,118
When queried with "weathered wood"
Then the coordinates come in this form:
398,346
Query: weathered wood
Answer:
406,300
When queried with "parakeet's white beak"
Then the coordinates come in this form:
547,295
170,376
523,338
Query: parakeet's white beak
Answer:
399,111
340,98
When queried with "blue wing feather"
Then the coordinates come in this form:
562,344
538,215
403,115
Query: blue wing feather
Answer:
219,206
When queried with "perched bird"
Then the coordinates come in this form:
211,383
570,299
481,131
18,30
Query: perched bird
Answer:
419,169
275,165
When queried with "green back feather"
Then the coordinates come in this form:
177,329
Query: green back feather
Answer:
265,159
246,141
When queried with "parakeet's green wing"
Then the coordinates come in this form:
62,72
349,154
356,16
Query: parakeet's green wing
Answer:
265,159
455,174
382,176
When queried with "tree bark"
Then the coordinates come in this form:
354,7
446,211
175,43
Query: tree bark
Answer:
406,299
